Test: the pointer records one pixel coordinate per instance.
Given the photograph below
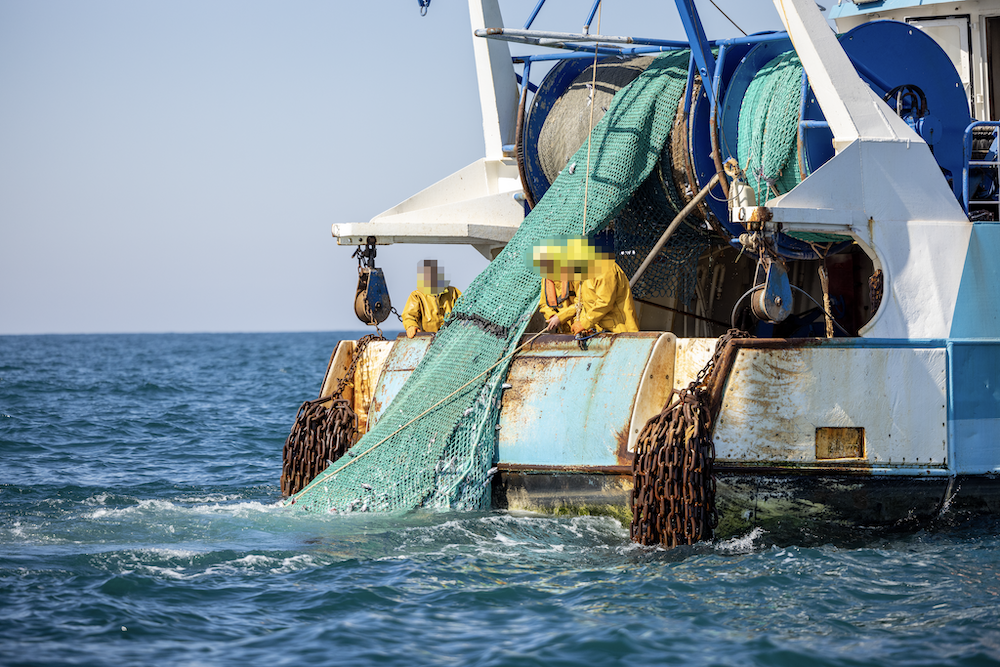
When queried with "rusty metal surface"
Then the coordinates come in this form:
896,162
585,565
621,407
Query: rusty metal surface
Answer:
691,355
652,394
563,491
840,442
320,434
367,372
791,504
673,501
568,406
325,428
337,369
545,470
779,392
404,356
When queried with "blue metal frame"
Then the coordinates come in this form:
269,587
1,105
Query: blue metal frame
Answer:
972,402
593,13
534,13
752,39
701,48
968,163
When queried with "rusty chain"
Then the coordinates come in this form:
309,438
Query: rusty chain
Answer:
673,500
875,287
321,435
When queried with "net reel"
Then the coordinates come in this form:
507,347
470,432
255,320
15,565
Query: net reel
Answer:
762,93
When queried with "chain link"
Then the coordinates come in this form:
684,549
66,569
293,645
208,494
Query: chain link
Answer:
875,287
321,435
673,500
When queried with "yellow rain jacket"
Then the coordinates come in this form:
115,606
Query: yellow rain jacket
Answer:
427,311
559,298
607,300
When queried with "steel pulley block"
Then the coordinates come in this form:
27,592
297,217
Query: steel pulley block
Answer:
371,301
773,303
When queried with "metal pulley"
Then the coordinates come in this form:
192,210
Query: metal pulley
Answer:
773,302
371,300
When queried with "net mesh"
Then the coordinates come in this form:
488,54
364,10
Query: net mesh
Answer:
768,127
435,443
638,227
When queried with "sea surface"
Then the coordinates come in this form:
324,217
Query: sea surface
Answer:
140,524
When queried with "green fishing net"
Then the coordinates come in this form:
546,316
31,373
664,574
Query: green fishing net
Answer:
674,270
768,134
768,127
435,444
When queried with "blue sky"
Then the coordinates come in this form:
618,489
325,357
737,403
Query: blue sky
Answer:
177,166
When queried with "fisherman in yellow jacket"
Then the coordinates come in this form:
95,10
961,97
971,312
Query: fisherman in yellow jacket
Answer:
604,294
606,300
557,304
431,302
601,297
557,301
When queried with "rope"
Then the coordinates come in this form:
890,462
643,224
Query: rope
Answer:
824,281
727,17
593,101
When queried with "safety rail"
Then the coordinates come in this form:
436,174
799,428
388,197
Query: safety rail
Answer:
980,170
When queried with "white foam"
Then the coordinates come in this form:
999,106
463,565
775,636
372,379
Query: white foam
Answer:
140,507
165,552
99,499
743,544
254,559
295,563
210,498
260,564
167,572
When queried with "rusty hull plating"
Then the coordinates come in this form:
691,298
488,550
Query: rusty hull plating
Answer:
841,431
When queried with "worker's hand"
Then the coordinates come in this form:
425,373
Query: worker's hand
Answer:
578,327
553,323
411,331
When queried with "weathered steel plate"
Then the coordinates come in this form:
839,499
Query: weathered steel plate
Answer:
406,353
775,399
572,407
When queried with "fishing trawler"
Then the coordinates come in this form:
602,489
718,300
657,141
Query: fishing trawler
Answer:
834,194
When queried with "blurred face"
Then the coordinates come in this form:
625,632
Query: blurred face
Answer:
573,258
430,277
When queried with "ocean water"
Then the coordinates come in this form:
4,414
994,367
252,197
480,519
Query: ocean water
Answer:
140,525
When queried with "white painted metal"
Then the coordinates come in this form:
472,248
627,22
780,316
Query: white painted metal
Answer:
654,387
776,399
952,35
883,185
692,355
475,205
553,39
892,199
498,95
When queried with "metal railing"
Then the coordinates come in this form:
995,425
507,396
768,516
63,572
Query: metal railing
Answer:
977,170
